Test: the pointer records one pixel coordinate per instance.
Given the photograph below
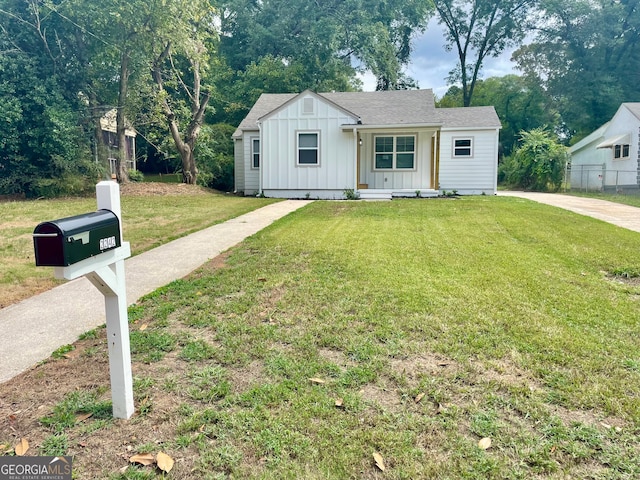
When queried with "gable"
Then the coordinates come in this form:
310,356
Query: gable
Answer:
393,108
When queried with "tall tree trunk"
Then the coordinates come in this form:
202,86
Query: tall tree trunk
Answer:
184,144
122,174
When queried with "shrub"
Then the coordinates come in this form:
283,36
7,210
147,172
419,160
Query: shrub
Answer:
537,164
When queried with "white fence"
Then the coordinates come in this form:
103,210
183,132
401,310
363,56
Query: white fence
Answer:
596,177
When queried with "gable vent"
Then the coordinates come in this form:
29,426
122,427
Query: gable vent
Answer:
307,105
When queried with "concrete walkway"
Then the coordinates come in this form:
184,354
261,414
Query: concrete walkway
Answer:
624,216
34,328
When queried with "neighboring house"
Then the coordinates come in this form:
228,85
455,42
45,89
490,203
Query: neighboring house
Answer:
110,138
376,144
609,158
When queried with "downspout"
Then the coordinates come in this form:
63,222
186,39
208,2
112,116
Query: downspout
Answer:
437,167
495,173
261,165
356,144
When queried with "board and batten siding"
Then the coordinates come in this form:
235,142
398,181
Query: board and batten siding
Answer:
281,174
469,175
418,178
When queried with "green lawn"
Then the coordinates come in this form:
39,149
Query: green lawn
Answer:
148,221
410,329
631,199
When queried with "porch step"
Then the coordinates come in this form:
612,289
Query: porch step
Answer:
380,194
368,194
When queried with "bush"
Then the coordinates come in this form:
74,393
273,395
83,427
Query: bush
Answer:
537,164
136,176
214,157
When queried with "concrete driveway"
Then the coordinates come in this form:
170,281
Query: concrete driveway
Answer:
623,216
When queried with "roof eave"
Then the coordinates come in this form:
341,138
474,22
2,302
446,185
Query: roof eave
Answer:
360,126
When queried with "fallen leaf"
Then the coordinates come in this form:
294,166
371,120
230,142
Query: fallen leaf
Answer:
22,447
339,403
143,327
316,380
379,461
143,459
83,417
419,397
165,462
485,443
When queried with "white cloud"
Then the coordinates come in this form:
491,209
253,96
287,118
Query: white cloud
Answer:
431,62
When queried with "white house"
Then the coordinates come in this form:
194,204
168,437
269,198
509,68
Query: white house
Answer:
376,144
108,125
609,158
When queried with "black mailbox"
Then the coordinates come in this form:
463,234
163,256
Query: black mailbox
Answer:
60,243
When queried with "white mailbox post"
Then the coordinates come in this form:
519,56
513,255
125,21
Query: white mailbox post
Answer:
106,272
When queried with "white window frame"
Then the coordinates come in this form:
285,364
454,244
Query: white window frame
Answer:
252,141
299,148
395,152
454,148
621,148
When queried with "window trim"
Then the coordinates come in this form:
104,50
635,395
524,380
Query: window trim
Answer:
394,152
454,148
298,148
620,147
253,153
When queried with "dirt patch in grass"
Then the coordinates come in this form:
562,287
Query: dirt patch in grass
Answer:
145,189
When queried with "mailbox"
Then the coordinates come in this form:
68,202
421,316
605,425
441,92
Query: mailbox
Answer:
60,243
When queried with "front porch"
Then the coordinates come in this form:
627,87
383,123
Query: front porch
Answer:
388,194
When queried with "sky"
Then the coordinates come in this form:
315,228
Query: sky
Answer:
431,63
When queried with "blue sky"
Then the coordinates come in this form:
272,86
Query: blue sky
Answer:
431,63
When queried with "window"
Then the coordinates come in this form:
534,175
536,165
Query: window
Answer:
255,153
395,153
308,148
621,151
463,147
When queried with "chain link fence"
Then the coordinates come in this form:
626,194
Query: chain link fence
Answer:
596,178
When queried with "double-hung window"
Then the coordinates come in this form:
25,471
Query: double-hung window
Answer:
308,148
255,153
395,152
463,147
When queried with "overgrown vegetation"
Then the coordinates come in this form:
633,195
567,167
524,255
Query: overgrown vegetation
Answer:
538,163
329,337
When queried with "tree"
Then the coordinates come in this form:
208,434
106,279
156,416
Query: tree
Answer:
586,55
331,40
521,104
184,40
538,163
44,150
478,29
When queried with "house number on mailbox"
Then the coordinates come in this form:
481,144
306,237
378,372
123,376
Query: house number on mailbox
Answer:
109,242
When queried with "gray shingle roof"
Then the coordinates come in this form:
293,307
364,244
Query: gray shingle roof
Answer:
394,107
477,117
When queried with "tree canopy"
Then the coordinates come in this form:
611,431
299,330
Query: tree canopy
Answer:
177,68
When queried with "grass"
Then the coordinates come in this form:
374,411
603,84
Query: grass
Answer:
411,329
143,227
632,199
